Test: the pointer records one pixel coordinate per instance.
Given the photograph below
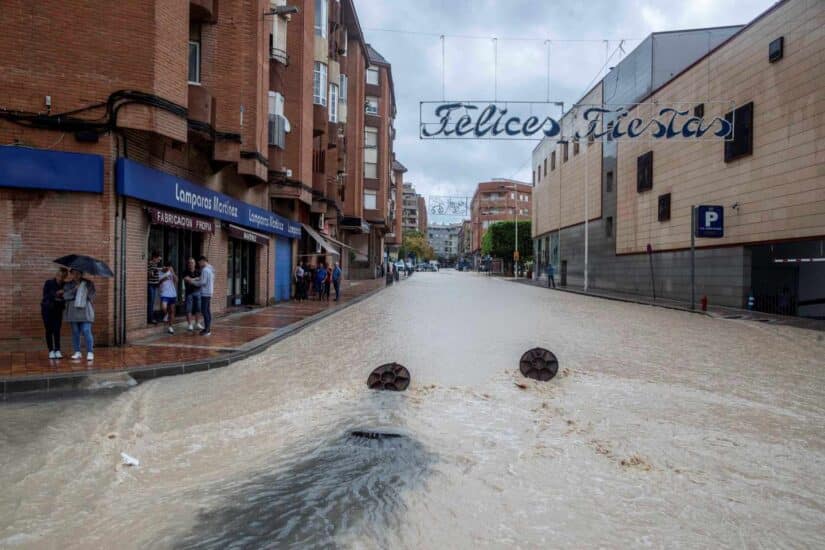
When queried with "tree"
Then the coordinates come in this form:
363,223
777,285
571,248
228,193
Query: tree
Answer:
415,243
499,240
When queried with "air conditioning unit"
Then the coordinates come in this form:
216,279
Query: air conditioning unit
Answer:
286,171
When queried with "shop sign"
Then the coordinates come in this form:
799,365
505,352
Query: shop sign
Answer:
535,120
181,221
145,183
27,168
243,234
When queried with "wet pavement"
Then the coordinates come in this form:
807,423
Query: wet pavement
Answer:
32,370
661,428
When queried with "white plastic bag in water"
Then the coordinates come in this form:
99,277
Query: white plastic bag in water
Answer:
129,460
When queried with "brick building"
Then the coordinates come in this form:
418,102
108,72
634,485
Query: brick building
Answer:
395,238
498,200
196,128
769,180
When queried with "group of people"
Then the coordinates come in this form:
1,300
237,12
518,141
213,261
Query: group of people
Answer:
70,297
320,279
198,283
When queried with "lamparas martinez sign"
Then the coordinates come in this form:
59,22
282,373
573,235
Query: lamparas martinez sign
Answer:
536,121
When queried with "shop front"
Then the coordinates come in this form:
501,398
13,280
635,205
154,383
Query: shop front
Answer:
188,220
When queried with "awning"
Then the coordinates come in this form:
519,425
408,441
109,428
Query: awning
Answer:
247,235
339,243
321,240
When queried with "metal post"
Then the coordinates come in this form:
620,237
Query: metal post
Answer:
515,222
692,257
586,216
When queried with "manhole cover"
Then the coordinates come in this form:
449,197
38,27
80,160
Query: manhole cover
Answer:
392,376
539,364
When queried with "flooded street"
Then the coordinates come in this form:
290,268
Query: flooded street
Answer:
663,428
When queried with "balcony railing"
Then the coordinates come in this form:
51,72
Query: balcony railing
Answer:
279,55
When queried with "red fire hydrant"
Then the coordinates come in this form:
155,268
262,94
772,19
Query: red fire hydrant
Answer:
704,303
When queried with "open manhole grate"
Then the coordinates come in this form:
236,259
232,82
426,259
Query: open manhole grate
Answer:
539,364
391,376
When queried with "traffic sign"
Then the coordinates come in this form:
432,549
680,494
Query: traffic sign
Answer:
710,221
515,255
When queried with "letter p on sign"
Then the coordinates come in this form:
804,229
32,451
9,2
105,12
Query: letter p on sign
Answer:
711,218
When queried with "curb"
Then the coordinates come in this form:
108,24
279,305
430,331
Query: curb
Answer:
57,384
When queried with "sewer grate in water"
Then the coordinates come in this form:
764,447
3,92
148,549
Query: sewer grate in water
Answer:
391,376
374,435
539,364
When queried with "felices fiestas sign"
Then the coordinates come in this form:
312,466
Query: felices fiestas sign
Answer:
530,120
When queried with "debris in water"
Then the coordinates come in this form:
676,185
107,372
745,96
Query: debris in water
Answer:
112,436
129,460
520,385
539,364
391,376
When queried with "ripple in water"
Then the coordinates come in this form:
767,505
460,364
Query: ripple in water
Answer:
348,484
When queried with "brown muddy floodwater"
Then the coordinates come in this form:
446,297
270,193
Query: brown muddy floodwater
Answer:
662,429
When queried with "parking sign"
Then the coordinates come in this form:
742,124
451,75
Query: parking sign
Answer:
710,221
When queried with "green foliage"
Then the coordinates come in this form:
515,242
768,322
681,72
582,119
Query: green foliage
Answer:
499,240
415,242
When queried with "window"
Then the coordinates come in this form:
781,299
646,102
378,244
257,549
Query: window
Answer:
319,84
644,172
664,207
608,182
370,202
552,161
590,138
344,42
371,105
608,226
742,143
343,88
575,148
699,110
610,131
545,168
564,151
194,54
534,177
333,102
321,17
776,49
370,152
372,75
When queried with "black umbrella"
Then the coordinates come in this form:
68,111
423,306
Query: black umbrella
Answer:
86,264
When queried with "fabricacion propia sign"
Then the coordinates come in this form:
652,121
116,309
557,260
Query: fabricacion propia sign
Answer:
529,120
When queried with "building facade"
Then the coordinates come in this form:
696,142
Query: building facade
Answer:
207,135
395,238
413,210
768,180
446,242
500,199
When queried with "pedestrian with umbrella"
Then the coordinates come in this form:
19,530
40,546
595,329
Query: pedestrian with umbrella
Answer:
79,296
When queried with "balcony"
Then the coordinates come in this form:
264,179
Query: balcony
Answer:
320,119
201,105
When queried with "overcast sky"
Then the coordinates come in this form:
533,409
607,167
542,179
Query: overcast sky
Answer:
439,167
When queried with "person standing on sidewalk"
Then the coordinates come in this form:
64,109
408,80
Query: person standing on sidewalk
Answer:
193,296
551,279
336,280
206,282
327,281
320,277
79,295
51,309
153,278
168,295
299,282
